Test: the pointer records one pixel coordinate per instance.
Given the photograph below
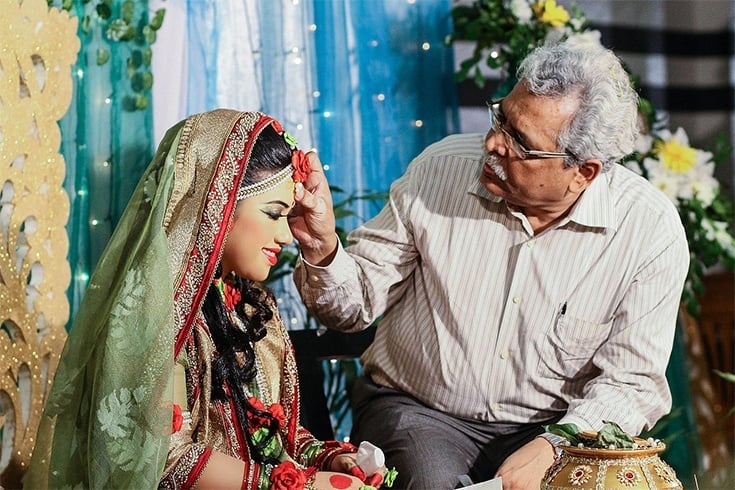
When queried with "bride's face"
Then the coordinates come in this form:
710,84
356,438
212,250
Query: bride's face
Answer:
259,231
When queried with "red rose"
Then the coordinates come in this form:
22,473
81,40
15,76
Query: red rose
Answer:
301,166
232,296
256,421
278,413
256,403
178,419
286,476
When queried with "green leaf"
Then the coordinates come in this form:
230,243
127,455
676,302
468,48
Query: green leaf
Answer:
135,59
136,83
85,24
390,477
103,10
611,435
147,80
103,55
127,10
727,376
479,78
141,101
149,35
157,20
147,56
570,432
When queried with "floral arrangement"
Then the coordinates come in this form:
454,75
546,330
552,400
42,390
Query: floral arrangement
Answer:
685,175
610,436
505,31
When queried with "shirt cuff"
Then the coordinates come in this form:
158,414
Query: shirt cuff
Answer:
333,274
580,422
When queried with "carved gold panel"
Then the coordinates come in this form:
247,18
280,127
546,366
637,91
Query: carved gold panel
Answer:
38,46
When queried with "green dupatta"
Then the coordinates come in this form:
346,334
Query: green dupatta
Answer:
107,420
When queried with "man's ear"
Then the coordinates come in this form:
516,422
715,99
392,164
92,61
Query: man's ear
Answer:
586,173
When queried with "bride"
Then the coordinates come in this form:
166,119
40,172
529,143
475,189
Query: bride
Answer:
178,371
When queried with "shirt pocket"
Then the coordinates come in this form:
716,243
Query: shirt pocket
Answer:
566,351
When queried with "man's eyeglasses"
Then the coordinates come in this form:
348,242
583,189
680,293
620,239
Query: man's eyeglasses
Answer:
497,120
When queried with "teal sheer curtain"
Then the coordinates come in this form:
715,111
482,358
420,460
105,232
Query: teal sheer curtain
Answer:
385,89
106,134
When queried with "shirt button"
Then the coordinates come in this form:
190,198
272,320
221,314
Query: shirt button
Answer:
504,355
516,299
530,244
495,407
315,278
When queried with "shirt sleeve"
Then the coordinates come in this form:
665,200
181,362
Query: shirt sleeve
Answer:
369,275
631,388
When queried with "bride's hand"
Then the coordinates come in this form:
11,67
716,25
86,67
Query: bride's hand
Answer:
347,463
330,480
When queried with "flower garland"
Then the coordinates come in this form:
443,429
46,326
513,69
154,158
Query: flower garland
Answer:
505,31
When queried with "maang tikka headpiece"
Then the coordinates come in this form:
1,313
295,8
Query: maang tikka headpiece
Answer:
299,169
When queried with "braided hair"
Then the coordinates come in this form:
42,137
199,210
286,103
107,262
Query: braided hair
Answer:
234,364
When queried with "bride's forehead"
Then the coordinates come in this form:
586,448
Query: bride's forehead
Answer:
282,192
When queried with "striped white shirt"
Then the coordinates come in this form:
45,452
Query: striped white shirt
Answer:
486,320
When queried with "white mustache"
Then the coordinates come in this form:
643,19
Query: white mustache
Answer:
491,160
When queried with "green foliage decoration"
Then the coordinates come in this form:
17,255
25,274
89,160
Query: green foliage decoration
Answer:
128,24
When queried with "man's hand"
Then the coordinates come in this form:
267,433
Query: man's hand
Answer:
525,468
312,221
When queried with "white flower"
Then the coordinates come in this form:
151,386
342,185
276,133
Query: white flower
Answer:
680,171
591,37
664,181
716,231
643,143
705,188
521,10
578,22
556,34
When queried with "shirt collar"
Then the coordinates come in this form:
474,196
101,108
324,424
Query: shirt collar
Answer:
594,208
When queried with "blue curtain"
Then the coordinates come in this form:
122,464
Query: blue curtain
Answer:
384,80
379,80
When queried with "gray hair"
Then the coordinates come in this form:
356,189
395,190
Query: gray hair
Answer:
605,123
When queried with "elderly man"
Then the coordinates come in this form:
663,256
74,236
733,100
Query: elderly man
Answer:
530,281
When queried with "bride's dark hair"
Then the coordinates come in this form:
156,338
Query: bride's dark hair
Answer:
234,363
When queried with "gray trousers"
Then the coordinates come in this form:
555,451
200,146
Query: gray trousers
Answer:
431,449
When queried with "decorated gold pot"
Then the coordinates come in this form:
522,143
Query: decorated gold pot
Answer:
611,469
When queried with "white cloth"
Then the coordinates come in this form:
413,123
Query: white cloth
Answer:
485,320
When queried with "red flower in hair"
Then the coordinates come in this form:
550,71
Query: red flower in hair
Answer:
256,421
277,126
287,476
178,420
232,296
301,166
278,413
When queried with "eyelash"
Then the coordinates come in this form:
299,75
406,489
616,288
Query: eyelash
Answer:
275,216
